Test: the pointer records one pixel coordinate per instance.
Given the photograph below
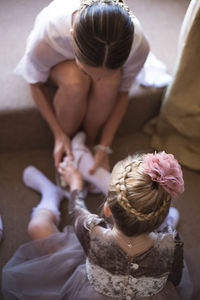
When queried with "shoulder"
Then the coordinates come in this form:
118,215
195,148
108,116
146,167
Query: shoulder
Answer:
84,226
138,54
58,8
89,222
138,33
56,15
139,39
52,26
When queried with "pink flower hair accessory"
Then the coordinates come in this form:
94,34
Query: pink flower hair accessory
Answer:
164,169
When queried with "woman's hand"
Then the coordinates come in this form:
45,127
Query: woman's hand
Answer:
62,146
70,175
101,158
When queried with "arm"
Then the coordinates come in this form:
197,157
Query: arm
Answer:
38,60
134,64
41,98
82,220
111,127
114,120
76,206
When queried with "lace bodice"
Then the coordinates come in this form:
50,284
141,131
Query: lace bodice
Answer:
114,273
123,286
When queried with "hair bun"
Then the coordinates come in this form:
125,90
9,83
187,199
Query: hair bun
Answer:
164,169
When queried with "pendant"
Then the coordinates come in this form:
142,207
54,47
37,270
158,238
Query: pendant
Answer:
129,245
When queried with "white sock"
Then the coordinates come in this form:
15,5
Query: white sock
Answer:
172,219
84,160
100,178
51,194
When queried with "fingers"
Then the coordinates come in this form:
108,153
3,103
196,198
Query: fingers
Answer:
100,159
58,157
97,161
61,168
68,151
70,175
65,165
62,147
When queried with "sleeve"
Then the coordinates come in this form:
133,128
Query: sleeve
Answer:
177,266
82,220
38,59
134,64
40,55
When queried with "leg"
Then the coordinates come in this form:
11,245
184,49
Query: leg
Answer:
42,224
46,214
102,99
70,101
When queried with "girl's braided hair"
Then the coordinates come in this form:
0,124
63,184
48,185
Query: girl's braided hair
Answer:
138,203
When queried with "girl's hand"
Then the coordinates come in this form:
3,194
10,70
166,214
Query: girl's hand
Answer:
70,175
101,158
62,146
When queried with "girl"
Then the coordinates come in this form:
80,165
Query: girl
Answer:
126,261
91,51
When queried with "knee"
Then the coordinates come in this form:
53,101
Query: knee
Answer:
72,87
70,80
38,229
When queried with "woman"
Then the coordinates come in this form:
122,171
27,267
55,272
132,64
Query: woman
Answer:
92,51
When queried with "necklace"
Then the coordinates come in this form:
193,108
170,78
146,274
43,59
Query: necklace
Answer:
117,235
140,243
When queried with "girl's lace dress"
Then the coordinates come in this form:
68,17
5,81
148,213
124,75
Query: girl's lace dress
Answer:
85,263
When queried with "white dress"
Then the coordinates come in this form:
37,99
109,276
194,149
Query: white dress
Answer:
50,43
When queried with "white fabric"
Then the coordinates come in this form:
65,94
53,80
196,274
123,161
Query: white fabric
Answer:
154,73
50,42
51,194
84,162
